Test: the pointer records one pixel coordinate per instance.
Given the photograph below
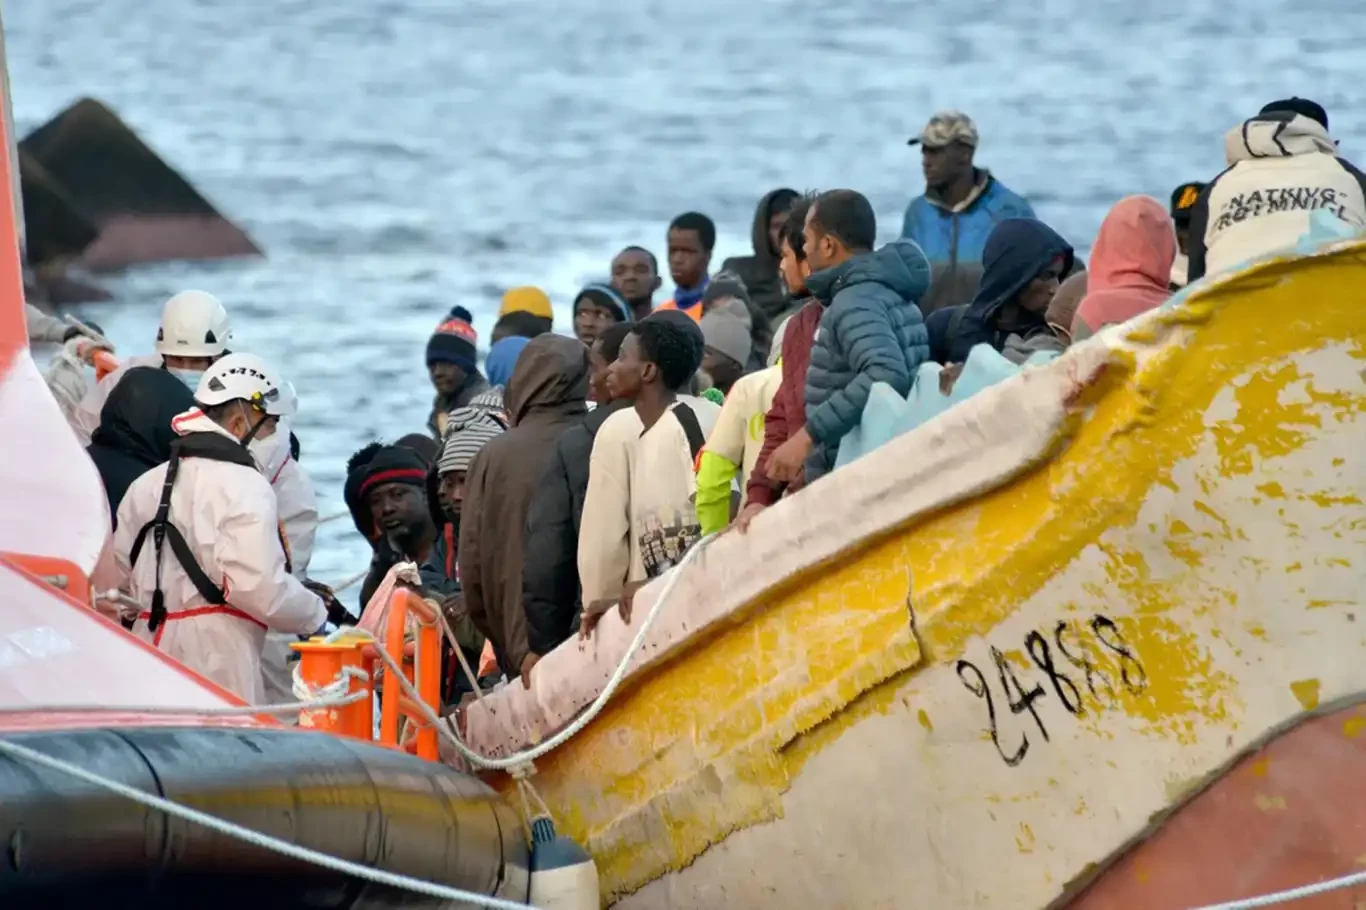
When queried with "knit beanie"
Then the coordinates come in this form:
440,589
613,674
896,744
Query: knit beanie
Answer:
467,430
454,341
526,300
605,296
727,333
374,466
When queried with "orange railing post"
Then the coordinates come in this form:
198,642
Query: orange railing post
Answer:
425,677
320,664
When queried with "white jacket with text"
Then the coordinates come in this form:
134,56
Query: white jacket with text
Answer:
1282,168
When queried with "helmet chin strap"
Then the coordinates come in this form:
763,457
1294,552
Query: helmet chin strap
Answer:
254,427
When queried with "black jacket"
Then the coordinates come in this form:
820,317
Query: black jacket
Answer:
550,571
135,432
1017,250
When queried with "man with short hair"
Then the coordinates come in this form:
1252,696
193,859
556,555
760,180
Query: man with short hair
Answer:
610,553
635,275
225,581
950,221
692,236
872,330
655,364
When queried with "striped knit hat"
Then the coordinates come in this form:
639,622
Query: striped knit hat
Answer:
468,429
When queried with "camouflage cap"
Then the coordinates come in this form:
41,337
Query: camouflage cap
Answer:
945,127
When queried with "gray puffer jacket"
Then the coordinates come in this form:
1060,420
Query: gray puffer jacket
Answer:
872,331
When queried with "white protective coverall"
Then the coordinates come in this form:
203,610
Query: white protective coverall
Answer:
228,516
298,508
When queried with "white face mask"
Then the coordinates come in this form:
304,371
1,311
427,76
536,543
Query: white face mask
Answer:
189,377
272,452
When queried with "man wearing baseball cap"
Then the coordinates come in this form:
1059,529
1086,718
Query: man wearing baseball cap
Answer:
961,203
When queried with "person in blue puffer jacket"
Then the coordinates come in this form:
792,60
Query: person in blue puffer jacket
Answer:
871,331
961,204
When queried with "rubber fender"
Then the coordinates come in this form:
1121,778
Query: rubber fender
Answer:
67,843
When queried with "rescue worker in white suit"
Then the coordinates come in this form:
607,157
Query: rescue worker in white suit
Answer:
225,580
298,508
194,332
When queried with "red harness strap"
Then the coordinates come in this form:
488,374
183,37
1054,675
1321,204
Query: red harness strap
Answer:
195,612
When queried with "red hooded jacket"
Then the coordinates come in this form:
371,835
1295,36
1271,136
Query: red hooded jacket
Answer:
788,413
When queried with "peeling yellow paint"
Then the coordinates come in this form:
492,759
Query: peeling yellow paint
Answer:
1255,629
1306,692
1353,726
1025,839
709,742
1269,803
1260,767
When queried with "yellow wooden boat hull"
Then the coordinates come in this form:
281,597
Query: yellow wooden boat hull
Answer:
973,667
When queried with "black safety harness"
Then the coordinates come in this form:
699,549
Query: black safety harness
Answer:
214,447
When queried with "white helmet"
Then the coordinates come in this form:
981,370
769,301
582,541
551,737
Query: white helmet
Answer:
193,324
248,378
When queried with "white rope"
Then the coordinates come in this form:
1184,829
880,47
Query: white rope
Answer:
334,694
257,839
514,761
1294,894
328,700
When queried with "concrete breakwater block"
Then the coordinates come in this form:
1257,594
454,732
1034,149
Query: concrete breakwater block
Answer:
96,170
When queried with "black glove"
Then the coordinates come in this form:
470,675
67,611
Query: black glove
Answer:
336,613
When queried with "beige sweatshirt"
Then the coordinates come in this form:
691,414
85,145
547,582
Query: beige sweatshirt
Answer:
627,500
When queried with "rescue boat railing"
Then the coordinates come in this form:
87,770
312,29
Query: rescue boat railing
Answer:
324,662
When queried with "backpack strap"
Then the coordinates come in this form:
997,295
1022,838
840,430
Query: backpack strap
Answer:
194,445
692,429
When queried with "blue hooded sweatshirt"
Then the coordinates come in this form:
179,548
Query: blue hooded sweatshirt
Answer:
953,237
1016,252
871,331
502,359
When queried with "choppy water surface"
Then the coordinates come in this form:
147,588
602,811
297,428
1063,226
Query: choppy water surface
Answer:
395,157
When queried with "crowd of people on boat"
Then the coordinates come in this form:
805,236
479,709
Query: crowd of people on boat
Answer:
569,470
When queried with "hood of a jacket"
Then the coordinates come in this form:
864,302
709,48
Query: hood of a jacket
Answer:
1135,247
136,417
1017,250
1279,134
551,373
763,244
502,358
900,266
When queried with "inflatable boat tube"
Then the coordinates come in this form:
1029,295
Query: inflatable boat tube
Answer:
66,843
